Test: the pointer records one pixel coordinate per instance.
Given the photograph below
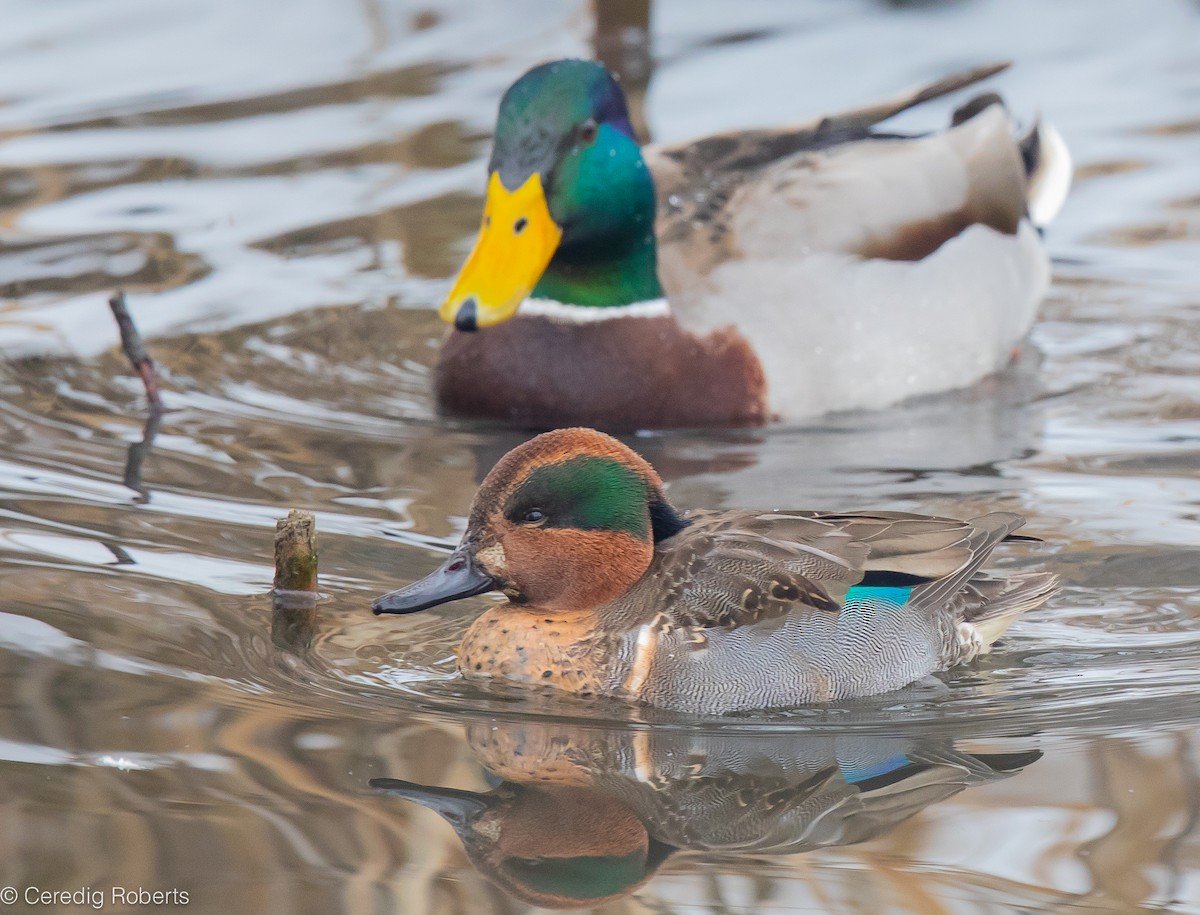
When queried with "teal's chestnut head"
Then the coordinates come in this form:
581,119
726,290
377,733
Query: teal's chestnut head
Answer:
565,522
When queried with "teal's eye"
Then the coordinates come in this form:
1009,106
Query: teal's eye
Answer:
587,130
534,516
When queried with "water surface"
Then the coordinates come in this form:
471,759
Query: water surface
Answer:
285,194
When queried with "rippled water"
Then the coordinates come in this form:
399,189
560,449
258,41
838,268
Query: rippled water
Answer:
284,192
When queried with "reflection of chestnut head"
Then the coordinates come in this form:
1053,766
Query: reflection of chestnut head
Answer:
556,847
587,814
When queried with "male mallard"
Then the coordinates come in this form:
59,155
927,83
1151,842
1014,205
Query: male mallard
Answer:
612,592
781,273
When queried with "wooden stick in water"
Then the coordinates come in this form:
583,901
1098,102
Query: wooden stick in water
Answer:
296,552
135,349
294,598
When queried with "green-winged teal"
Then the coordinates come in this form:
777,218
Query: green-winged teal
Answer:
612,592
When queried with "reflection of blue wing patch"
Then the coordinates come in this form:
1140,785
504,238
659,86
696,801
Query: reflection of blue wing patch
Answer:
871,599
858,770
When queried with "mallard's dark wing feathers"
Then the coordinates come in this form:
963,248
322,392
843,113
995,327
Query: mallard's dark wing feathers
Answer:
694,180
870,115
687,165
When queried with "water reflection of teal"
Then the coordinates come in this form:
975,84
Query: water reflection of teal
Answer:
582,815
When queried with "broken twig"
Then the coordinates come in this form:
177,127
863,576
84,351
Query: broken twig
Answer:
137,454
135,349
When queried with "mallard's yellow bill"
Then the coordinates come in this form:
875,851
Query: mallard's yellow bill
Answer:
515,244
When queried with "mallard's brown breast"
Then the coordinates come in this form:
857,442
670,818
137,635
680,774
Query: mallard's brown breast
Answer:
618,374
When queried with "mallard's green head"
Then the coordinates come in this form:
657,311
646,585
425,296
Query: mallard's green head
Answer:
569,213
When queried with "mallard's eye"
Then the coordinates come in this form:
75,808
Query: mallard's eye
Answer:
534,516
587,130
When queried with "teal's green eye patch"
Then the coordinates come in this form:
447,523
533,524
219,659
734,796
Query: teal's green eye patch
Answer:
583,877
584,493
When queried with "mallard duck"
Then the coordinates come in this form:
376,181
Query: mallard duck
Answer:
747,276
613,592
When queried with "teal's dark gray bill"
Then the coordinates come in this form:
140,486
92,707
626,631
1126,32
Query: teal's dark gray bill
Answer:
458,577
456,807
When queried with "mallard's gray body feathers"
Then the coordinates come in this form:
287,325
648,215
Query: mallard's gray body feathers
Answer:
916,256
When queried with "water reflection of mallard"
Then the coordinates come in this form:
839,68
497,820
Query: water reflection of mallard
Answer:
584,815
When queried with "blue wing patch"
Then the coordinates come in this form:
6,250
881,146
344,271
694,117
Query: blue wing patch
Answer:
855,771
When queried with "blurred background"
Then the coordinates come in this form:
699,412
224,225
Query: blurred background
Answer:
284,192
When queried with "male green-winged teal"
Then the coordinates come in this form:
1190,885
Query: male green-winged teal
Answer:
747,276
612,592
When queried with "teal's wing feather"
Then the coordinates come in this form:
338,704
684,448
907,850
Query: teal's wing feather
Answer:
847,587
767,610
876,598
730,569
